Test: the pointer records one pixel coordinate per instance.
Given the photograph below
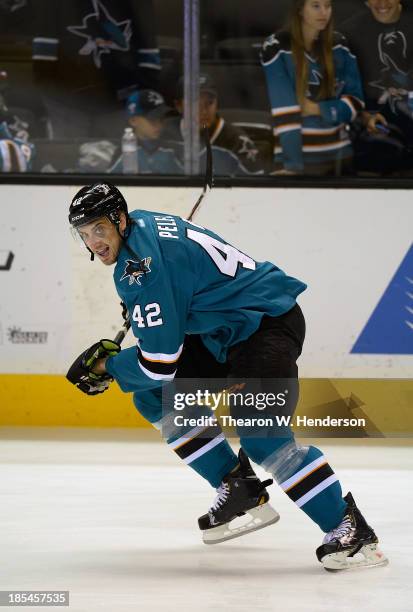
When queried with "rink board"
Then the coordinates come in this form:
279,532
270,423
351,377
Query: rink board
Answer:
49,400
347,245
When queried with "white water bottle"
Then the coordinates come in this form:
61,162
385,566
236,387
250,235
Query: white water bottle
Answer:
129,152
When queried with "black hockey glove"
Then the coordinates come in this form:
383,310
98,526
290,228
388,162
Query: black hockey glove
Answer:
80,372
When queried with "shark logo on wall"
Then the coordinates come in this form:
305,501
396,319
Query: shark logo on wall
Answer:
389,331
103,33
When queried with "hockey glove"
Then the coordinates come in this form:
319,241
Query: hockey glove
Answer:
80,372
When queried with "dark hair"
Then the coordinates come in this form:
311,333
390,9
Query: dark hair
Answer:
322,49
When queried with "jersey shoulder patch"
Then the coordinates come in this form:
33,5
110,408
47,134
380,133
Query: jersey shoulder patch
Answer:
280,41
340,39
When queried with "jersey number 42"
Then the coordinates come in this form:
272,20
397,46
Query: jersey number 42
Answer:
152,315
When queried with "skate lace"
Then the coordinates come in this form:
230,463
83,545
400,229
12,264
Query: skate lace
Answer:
221,498
343,530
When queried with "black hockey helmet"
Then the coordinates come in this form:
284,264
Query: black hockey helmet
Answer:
97,200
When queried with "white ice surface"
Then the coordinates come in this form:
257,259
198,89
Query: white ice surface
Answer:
114,522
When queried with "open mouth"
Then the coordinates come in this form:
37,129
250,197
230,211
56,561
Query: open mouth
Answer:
103,252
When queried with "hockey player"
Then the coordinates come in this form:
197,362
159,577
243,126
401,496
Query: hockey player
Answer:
201,308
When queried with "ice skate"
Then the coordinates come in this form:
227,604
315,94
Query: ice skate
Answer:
352,536
240,493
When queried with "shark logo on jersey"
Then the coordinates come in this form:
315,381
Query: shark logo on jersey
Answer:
103,33
135,269
394,81
315,77
247,148
271,40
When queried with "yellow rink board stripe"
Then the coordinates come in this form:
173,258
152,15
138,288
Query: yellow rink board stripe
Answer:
49,400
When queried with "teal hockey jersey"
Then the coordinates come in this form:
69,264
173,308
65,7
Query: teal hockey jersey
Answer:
306,141
185,279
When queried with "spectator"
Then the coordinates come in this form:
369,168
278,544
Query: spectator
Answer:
382,40
233,150
21,108
88,57
15,151
15,154
315,92
147,111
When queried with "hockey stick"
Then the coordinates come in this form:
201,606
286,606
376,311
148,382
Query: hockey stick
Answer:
120,336
208,182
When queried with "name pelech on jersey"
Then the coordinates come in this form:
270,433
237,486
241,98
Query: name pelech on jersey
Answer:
188,280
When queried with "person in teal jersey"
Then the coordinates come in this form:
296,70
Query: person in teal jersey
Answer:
15,154
315,92
202,309
147,112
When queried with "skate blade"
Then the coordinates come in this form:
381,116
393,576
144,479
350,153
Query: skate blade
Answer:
259,517
368,556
